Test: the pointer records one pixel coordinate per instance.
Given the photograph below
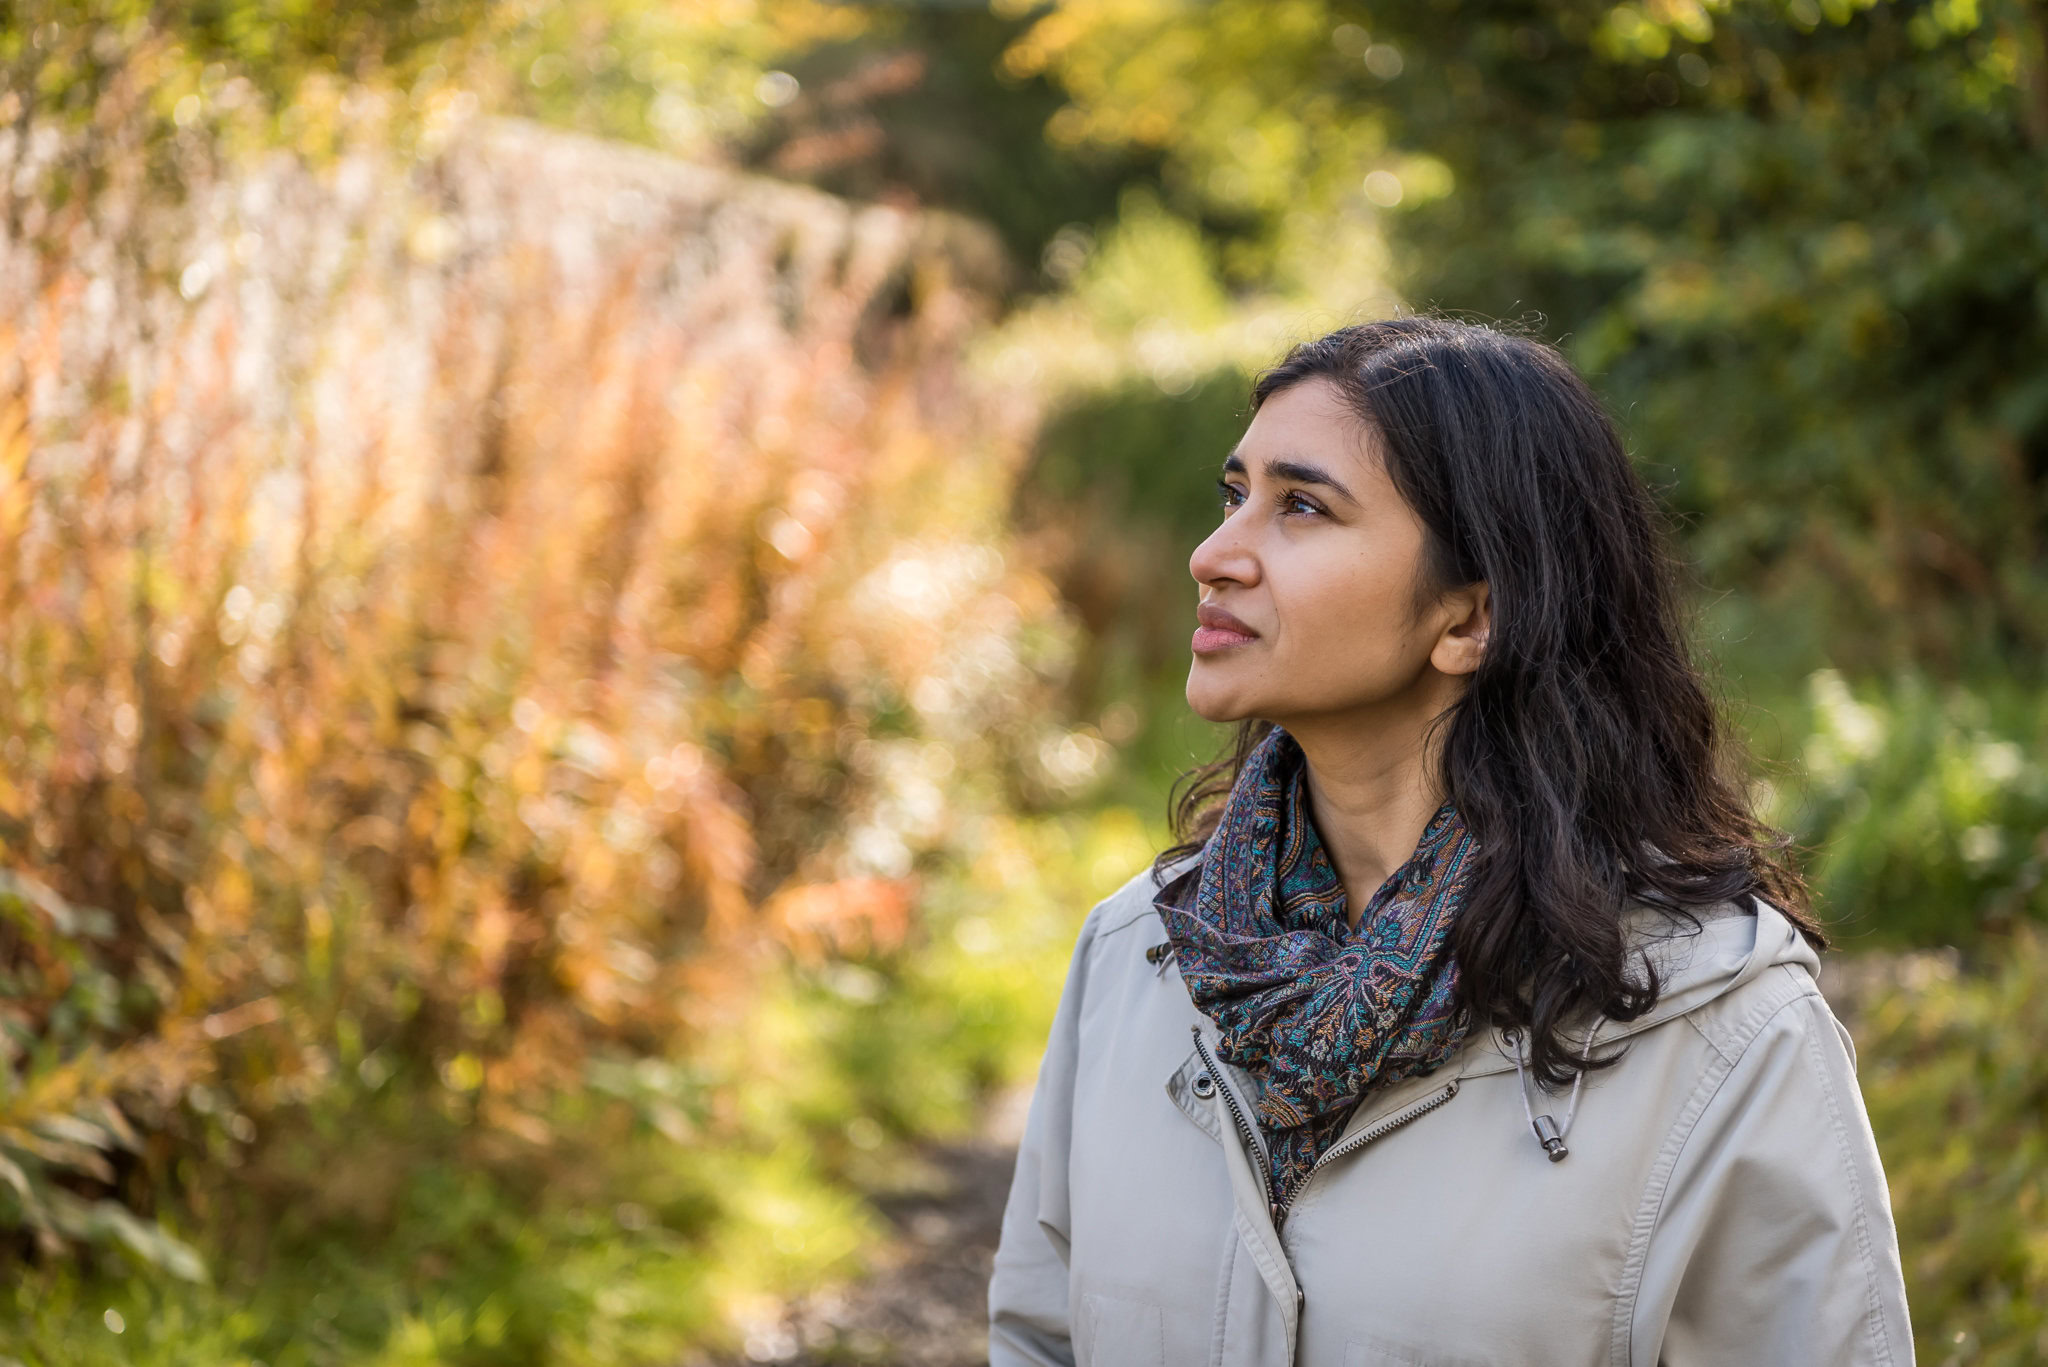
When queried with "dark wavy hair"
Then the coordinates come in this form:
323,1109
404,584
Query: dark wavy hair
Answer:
1585,753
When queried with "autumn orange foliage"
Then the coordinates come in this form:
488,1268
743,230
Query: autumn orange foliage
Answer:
444,604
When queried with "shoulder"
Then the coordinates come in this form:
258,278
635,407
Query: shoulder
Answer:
1770,1090
1775,998
1133,902
1127,919
1777,1081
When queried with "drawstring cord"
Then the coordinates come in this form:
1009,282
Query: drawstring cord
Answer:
1548,1130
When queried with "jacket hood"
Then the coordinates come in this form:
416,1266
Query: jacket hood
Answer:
1732,944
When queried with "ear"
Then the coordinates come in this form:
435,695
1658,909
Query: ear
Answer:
1462,644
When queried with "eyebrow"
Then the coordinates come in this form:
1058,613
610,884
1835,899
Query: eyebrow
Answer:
1299,471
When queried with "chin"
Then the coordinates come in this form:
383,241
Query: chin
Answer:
1210,705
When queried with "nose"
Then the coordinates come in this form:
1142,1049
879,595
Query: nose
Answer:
1225,556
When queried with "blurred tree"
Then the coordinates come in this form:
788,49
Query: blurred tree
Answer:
917,108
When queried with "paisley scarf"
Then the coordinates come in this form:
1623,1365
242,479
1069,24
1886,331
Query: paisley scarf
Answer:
1315,1011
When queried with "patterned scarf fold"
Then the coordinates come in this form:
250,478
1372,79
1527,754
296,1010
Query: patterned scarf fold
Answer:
1315,1011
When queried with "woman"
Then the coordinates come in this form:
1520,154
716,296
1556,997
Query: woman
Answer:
1474,1021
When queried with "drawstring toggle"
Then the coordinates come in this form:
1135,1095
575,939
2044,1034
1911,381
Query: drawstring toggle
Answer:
1548,1132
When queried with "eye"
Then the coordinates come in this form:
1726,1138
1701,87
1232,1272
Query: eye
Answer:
1286,502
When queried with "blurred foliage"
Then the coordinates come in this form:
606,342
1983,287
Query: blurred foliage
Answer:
459,647
1956,1086
917,108
166,90
906,104
1927,806
678,1197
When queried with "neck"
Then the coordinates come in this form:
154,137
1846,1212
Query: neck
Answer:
1372,788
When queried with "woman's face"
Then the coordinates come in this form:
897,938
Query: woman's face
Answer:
1317,559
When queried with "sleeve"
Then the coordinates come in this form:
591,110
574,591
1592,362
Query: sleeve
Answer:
1027,1292
1774,1240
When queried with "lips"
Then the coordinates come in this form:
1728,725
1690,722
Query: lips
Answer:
1219,630
1209,615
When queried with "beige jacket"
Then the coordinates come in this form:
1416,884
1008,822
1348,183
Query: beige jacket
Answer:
1721,1201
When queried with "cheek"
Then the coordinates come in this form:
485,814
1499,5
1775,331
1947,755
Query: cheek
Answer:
1353,627
1355,599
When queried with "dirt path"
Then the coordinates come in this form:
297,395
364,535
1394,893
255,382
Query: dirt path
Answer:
925,1304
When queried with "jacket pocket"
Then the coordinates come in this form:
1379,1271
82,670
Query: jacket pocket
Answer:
1114,1331
1378,1352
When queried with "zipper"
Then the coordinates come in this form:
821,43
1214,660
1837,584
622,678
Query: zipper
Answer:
1244,1126
1379,1129
1251,1141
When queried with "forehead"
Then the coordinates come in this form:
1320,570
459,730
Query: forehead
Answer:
1311,420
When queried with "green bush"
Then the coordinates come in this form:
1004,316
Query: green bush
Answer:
1957,1085
1926,807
